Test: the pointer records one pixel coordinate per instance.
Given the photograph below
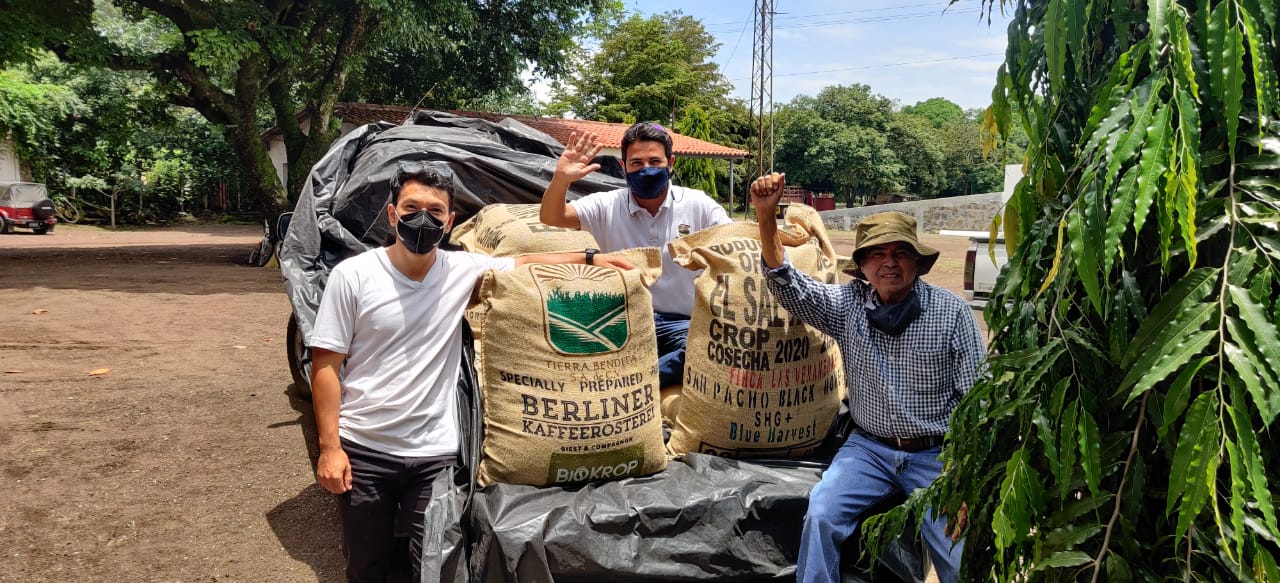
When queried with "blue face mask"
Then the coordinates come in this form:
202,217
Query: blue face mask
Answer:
649,183
893,319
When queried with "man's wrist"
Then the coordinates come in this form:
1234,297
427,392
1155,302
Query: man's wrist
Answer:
590,255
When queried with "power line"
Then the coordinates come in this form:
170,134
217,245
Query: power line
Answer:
884,65
926,14
876,19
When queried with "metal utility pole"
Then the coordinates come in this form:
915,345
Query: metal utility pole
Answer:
762,86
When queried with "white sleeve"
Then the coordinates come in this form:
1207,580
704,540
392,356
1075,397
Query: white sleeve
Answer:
336,315
589,211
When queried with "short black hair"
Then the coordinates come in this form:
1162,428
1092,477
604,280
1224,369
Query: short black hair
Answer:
646,131
424,176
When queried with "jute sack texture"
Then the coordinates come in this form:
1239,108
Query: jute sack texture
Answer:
506,230
758,382
570,375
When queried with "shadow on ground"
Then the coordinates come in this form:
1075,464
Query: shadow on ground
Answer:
307,524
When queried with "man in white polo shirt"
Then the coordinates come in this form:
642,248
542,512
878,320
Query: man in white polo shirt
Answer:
649,212
389,423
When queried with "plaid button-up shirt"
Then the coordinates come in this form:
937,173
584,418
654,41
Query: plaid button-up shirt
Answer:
904,386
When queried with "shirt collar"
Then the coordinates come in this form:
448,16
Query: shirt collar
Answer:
633,207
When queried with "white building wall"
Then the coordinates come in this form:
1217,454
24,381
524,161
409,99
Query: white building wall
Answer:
10,166
280,157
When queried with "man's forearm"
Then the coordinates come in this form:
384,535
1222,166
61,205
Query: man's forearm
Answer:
552,211
770,245
326,398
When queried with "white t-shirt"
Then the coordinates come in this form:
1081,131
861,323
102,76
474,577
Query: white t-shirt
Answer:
403,341
617,223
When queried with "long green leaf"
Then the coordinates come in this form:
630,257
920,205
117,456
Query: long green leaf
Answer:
1078,40
1235,499
1090,451
1145,99
1055,45
1086,259
1185,295
1266,92
1187,158
1183,56
1068,436
1019,493
1063,559
1260,382
1179,395
1118,569
1157,14
1122,210
1234,78
1153,164
1159,363
1265,334
1251,456
1108,112
1219,22
1197,448
1048,440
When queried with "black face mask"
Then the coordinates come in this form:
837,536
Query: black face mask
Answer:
893,319
420,232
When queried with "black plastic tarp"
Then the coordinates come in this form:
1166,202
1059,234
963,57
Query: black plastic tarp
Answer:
340,212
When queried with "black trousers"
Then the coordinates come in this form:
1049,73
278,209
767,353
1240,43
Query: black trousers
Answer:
389,494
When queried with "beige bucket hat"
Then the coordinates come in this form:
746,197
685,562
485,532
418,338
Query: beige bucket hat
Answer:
889,227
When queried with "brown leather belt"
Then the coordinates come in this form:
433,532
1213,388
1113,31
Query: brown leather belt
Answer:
909,444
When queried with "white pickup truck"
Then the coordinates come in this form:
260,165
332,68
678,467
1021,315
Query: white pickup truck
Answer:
979,271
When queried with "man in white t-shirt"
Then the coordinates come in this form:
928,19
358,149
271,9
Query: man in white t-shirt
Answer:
649,212
389,423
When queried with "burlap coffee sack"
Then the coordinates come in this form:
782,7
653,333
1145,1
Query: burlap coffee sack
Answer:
570,378
505,230
758,382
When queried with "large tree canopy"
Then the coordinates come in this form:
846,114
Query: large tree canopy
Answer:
648,69
233,60
1126,427
839,141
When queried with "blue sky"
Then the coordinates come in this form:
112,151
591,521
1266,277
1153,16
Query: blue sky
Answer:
908,50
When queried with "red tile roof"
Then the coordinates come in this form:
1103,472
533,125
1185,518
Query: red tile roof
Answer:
558,128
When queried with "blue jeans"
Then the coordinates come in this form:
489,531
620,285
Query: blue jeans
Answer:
863,473
672,330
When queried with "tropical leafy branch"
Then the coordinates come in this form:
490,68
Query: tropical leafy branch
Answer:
1126,426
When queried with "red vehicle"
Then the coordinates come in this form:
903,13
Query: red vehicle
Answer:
26,205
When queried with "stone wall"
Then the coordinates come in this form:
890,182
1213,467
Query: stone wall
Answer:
959,213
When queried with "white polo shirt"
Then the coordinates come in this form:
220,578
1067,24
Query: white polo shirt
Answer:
403,341
617,223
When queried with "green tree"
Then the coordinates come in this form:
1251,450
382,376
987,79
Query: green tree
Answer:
121,130
699,173
917,146
1126,427
647,69
966,169
233,60
30,111
839,141
938,110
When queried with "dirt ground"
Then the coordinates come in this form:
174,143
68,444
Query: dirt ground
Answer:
189,459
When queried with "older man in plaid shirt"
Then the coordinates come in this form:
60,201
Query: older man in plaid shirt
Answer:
911,351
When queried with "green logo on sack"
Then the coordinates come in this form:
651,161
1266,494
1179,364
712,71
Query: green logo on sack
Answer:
587,323
586,309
